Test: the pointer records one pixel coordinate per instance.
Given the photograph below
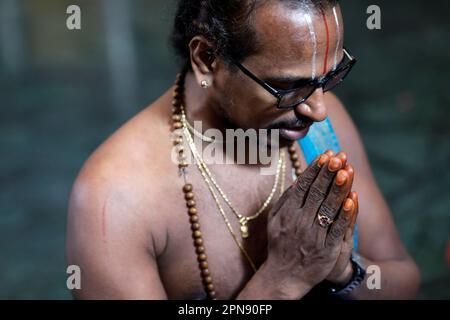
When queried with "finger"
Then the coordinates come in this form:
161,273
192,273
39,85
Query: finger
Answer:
334,200
338,192
299,188
343,156
308,176
351,172
282,201
354,196
351,228
329,153
319,189
340,226
348,237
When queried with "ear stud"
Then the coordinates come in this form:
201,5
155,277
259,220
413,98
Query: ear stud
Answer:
204,84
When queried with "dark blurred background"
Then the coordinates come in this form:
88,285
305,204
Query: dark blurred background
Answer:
64,92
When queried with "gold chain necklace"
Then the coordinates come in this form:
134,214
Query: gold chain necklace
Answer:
193,131
243,220
216,199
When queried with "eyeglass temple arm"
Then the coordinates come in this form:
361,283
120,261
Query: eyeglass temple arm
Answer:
349,56
262,83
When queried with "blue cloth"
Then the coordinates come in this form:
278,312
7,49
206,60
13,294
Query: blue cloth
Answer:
321,137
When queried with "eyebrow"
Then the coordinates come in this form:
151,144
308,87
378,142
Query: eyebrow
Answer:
294,79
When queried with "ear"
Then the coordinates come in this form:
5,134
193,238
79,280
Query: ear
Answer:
203,61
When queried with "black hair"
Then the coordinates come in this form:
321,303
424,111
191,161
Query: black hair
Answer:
226,24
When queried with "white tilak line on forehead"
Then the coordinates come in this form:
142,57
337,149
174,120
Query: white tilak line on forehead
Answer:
312,33
338,30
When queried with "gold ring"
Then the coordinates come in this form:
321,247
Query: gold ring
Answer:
324,220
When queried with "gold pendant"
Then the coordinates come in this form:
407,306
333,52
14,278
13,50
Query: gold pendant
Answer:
244,228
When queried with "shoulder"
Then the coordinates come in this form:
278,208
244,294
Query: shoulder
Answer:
117,224
115,195
346,131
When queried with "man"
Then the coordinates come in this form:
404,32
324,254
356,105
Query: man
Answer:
128,228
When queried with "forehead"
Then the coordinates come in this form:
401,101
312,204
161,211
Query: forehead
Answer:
284,36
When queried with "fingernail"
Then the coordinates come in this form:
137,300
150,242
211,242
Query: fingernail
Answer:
343,156
322,160
341,177
329,153
306,108
349,169
317,159
348,205
335,164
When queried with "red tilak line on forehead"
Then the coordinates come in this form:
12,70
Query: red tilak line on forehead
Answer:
325,63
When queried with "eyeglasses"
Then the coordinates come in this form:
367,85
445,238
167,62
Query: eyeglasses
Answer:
290,98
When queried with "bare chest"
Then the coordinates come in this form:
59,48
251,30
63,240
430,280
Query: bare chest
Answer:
229,255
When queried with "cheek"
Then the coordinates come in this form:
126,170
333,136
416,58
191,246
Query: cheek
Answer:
246,103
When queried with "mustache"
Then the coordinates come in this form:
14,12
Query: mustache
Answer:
291,123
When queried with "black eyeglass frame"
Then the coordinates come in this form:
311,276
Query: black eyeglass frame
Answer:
314,83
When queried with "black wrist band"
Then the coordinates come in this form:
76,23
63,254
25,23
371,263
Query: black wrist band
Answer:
357,278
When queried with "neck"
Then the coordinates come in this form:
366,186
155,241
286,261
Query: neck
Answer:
199,107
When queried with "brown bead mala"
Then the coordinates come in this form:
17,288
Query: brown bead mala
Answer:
188,189
296,164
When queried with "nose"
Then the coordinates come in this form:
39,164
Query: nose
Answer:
314,108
